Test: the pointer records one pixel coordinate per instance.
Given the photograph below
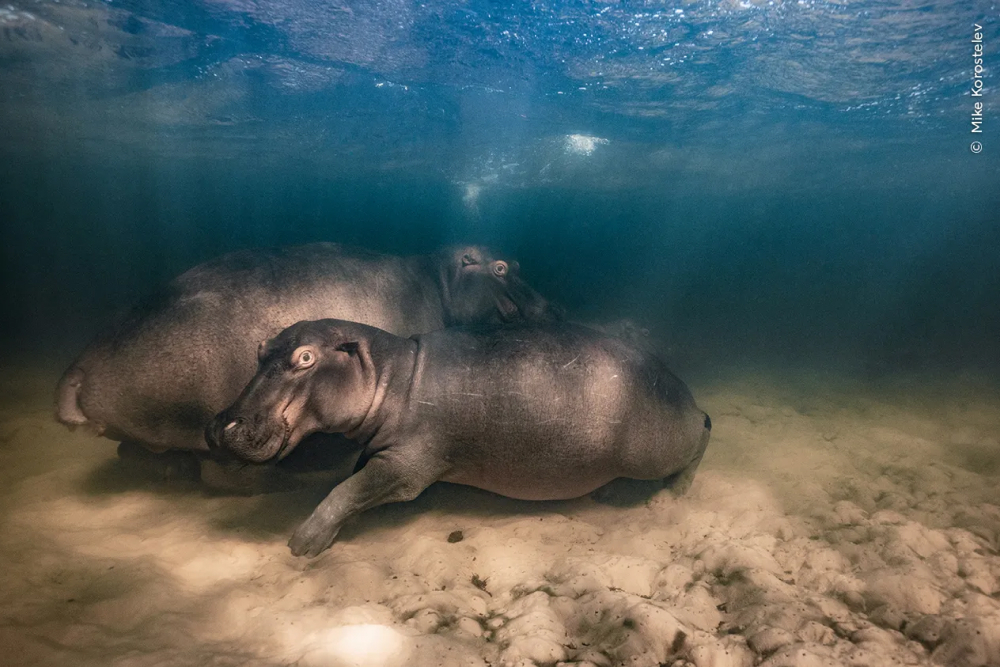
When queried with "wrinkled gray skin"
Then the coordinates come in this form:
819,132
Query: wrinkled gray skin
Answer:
158,377
536,412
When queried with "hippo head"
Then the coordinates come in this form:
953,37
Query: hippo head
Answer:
480,288
313,376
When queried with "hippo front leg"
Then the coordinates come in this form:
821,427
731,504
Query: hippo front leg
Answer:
388,477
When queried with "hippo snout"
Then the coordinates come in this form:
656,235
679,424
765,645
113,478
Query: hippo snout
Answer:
225,430
213,432
253,438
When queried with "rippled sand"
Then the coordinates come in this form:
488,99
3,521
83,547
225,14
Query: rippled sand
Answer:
833,522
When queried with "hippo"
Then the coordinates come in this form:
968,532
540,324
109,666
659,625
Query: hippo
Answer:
534,411
158,377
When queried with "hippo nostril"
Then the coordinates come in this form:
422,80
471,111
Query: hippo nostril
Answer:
708,422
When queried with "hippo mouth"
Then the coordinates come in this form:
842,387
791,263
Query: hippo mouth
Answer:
520,301
508,309
288,443
273,446
256,438
268,449
278,441
283,450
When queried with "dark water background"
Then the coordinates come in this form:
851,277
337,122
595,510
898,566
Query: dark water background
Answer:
764,180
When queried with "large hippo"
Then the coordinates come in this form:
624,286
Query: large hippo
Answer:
537,412
160,375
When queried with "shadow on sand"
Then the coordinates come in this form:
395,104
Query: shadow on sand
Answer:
264,503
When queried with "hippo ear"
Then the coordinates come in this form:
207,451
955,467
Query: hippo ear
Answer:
469,256
349,348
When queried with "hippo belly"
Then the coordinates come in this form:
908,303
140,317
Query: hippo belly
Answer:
537,472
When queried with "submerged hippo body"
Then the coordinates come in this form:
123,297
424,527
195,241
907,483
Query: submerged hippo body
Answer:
537,412
159,376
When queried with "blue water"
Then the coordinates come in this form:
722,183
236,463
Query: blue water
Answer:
744,177
784,193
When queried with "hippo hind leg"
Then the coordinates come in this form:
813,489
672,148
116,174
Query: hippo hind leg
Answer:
627,492
680,482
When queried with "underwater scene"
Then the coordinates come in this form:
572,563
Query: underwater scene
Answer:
482,333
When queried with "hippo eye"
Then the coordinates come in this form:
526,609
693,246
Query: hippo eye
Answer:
500,269
305,358
467,260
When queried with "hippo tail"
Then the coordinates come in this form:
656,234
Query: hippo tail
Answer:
68,409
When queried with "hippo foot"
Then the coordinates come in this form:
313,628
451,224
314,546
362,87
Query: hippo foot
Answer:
625,492
313,537
170,466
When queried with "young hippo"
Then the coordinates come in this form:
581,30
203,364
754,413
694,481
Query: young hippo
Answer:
537,412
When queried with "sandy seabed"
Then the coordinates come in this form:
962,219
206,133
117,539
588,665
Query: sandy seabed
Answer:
832,522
